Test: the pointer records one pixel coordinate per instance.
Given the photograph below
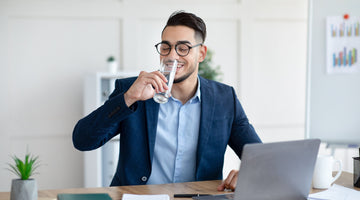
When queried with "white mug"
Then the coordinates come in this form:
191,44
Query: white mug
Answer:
323,178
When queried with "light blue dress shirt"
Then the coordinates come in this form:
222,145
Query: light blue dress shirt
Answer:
176,141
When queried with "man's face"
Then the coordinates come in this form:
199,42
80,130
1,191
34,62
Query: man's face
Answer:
188,65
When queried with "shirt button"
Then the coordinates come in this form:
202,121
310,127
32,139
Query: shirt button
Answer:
144,178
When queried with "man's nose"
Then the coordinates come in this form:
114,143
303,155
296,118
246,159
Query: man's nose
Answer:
173,54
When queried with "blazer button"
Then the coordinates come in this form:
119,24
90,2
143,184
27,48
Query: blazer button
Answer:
144,178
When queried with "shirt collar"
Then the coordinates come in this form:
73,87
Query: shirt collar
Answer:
198,93
197,97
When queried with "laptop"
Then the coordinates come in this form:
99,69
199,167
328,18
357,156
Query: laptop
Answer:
280,170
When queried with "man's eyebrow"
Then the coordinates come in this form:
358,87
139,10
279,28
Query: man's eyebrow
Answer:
183,42
178,42
165,41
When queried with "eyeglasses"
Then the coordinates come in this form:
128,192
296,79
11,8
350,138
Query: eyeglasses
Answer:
182,49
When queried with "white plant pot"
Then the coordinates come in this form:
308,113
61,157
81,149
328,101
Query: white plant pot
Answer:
113,67
23,189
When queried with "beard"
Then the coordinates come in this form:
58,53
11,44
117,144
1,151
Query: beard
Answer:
185,76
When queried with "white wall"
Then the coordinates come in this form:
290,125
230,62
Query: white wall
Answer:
47,47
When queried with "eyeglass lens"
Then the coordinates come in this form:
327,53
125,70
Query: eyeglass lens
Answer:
181,49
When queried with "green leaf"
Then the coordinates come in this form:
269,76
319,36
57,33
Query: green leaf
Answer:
207,68
24,169
14,170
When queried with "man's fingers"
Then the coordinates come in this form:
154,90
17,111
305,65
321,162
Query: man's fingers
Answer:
155,85
153,78
145,85
233,182
230,181
160,81
158,73
221,187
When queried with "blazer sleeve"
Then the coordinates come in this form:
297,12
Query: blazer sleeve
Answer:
101,125
242,132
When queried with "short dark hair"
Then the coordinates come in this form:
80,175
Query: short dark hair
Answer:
190,20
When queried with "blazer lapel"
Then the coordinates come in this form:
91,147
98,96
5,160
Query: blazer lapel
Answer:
152,111
206,117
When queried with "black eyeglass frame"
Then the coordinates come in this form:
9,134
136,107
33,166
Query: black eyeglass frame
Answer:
190,47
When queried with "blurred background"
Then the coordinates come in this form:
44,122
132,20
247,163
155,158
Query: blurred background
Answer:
48,48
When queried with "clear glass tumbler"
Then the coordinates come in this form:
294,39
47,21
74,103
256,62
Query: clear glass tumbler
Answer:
168,68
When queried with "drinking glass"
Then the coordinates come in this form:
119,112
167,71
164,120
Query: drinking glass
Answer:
168,68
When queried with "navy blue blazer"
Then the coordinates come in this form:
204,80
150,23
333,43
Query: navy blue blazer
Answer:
223,122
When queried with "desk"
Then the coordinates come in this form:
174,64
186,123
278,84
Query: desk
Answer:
208,187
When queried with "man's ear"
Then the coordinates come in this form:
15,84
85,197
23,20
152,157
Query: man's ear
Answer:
202,53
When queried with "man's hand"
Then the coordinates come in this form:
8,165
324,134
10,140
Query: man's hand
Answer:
229,182
145,87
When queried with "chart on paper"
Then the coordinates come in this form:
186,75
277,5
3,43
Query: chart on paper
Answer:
342,44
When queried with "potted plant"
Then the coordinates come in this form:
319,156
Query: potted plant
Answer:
24,187
207,70
112,65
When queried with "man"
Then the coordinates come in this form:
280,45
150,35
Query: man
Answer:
182,140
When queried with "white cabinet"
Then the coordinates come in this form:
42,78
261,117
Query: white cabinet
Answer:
100,164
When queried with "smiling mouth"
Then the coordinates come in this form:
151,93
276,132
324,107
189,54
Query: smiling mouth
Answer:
180,65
